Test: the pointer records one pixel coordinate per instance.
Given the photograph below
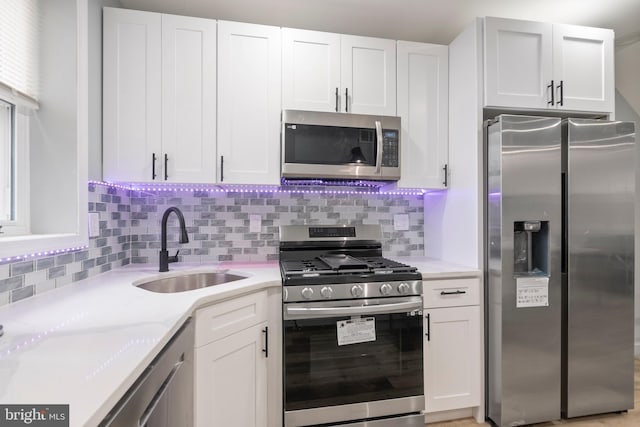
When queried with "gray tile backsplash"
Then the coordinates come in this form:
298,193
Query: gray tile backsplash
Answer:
23,279
218,224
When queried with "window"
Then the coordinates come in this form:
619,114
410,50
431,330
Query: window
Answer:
7,169
44,82
14,178
18,93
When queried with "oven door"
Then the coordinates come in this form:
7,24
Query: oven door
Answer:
352,360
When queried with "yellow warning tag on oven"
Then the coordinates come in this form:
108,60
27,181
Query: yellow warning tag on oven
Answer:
355,331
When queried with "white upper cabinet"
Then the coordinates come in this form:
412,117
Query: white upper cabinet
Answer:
159,111
368,75
333,72
547,66
189,98
249,103
583,64
311,70
132,82
423,87
517,63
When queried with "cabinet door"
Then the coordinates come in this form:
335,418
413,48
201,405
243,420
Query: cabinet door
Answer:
188,99
231,381
131,94
368,75
249,95
310,70
423,88
452,358
518,67
583,64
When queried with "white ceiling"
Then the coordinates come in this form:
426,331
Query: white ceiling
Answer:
434,21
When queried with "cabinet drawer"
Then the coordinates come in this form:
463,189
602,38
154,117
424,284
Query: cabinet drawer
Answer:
451,292
228,317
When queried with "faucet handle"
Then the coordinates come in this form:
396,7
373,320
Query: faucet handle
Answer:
175,257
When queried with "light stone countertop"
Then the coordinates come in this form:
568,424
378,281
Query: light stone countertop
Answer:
86,343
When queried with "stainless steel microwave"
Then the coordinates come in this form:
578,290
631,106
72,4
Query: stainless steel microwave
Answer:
340,146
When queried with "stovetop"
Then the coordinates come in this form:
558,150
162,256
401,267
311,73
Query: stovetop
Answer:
338,255
343,268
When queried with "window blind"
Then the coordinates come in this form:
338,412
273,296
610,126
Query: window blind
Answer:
19,26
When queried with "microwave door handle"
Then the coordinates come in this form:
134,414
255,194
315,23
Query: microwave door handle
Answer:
315,312
379,150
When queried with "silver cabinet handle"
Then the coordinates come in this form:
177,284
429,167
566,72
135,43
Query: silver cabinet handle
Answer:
315,312
380,146
337,97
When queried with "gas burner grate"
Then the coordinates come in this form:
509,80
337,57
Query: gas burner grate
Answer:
305,266
385,264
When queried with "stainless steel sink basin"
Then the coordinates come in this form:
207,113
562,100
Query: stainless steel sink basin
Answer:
188,282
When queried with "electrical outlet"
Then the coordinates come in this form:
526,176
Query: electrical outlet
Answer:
94,224
255,223
401,222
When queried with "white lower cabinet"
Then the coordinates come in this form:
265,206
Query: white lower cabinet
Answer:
236,363
452,344
231,381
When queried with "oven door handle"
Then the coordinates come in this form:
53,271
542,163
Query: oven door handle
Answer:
360,310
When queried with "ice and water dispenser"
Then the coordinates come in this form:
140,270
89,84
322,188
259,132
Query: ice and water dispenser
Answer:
531,248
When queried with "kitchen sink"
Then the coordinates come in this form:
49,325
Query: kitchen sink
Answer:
188,282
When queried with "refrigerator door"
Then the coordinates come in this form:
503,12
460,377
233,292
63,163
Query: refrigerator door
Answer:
598,318
523,282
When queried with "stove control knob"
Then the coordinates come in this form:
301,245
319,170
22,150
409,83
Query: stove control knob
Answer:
307,293
386,289
357,291
403,288
326,292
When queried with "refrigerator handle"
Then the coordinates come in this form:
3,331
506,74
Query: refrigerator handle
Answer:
565,232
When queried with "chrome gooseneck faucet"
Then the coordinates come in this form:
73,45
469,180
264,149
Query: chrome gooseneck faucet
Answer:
165,259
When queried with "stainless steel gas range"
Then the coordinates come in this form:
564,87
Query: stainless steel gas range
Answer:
352,330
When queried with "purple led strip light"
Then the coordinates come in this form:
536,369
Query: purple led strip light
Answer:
41,254
258,188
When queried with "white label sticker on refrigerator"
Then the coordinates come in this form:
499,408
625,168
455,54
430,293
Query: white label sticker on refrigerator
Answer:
532,292
358,330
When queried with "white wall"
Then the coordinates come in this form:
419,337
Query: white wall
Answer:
627,71
625,112
453,221
53,130
628,109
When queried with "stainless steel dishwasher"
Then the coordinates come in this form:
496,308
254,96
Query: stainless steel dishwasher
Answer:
163,395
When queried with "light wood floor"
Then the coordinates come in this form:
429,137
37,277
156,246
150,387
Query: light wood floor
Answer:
630,419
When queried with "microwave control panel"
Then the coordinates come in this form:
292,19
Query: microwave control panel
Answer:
390,149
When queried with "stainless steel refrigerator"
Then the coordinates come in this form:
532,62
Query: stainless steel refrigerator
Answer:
559,215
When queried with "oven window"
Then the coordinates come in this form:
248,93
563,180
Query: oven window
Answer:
326,145
319,373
